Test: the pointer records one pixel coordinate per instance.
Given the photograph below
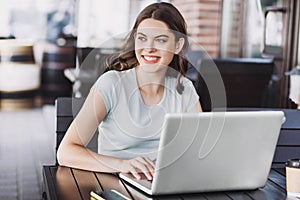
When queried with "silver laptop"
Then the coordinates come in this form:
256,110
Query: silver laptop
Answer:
213,151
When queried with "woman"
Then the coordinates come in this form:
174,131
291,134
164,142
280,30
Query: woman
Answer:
128,103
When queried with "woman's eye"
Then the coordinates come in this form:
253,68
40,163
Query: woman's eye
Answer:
161,40
142,39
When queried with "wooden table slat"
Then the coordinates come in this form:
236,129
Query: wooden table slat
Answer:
216,196
66,183
278,179
66,186
270,192
87,182
48,185
111,181
280,171
205,196
240,195
193,197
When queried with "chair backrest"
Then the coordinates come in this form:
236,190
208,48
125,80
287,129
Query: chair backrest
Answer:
66,109
194,58
288,144
246,81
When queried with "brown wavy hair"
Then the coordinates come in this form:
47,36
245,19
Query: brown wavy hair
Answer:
167,13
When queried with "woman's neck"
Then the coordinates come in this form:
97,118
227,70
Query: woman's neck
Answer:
152,82
151,85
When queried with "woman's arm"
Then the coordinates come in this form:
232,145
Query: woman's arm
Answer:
199,107
73,153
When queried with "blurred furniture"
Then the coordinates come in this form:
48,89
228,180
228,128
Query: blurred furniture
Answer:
91,64
66,110
247,82
55,60
19,75
68,183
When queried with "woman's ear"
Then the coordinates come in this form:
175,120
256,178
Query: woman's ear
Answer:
179,45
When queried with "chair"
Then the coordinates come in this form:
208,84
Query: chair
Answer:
194,58
66,109
288,144
248,82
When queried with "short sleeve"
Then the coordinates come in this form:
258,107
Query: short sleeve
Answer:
105,87
190,96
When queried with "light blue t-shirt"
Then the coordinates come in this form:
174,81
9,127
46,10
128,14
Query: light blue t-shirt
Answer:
131,128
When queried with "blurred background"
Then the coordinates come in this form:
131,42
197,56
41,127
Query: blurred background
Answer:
54,48
53,36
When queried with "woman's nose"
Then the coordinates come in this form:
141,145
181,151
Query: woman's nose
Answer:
150,47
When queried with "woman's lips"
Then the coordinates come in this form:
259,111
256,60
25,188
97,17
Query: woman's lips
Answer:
150,59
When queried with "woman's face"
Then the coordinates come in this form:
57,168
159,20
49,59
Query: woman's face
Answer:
155,44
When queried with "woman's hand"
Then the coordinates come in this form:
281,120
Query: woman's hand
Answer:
139,165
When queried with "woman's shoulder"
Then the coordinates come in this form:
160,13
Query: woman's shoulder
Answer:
115,79
112,74
115,75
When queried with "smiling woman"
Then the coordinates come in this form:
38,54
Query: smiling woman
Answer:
156,45
143,82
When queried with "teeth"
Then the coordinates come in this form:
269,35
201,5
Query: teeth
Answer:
150,58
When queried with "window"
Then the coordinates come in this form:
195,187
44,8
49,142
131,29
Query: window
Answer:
242,27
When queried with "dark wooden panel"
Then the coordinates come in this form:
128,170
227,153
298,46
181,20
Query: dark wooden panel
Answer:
278,164
66,109
283,153
59,137
92,145
63,123
289,137
292,119
66,106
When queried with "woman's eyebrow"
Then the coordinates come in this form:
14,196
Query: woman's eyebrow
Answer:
140,33
162,36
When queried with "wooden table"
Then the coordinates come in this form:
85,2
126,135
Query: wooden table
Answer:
67,183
